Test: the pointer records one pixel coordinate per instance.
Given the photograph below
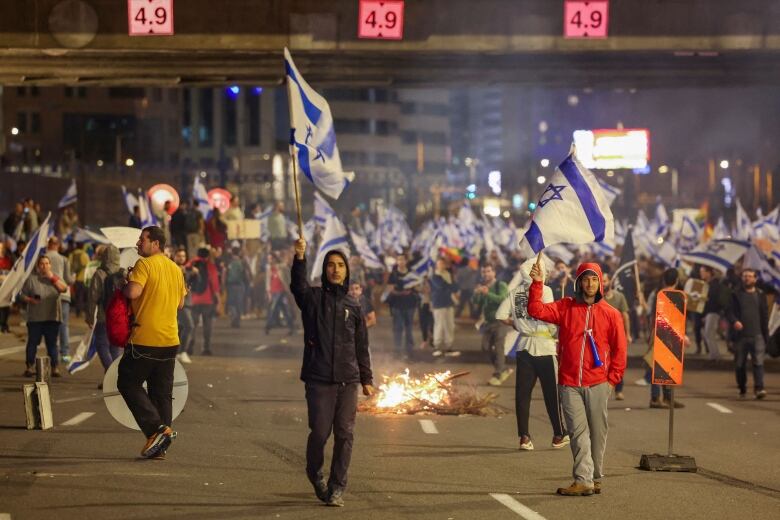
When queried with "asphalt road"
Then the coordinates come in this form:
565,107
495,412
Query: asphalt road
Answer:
240,450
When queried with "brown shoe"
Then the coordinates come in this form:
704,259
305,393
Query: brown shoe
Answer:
577,489
55,372
29,371
597,487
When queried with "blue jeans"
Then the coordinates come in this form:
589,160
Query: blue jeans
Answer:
756,348
403,320
105,351
655,390
48,331
278,305
186,329
64,328
235,303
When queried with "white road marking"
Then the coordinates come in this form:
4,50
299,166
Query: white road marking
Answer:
80,418
5,516
718,407
428,426
261,348
517,507
74,399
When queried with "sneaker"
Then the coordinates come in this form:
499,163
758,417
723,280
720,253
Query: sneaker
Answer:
158,442
525,443
335,499
55,372
65,358
596,487
184,358
576,490
641,382
494,381
452,353
160,455
658,403
619,396
437,353
560,441
761,394
321,490
505,374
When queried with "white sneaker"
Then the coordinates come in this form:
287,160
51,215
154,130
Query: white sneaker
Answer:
437,353
525,443
452,353
184,358
494,381
641,382
505,374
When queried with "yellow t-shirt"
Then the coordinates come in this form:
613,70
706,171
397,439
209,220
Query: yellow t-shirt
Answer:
155,310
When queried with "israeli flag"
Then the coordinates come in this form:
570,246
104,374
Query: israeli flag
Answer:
755,259
322,210
147,217
334,237
312,136
86,350
130,200
24,264
572,209
370,259
70,197
718,254
610,192
720,231
766,226
744,225
201,198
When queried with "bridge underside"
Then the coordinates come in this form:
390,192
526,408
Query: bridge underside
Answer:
641,69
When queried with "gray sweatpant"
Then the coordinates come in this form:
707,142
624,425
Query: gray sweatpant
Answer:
710,333
585,413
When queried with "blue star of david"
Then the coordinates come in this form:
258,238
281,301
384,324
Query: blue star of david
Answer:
555,194
319,155
309,134
715,247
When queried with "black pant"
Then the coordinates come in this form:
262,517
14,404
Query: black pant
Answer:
332,406
4,313
153,365
426,322
48,330
207,313
528,369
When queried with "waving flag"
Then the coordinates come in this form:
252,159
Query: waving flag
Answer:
744,225
147,217
86,350
661,221
312,136
755,259
572,209
70,197
370,259
130,200
766,226
624,279
201,198
24,264
718,254
720,231
610,192
322,210
334,237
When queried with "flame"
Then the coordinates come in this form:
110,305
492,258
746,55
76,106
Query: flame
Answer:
400,390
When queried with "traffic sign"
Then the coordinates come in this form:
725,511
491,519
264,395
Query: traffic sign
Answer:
669,338
383,20
585,19
150,17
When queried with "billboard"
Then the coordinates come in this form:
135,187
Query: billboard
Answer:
613,149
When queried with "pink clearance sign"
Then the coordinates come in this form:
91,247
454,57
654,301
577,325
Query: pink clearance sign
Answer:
219,198
585,19
150,17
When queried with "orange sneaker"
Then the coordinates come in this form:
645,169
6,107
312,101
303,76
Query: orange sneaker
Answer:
159,442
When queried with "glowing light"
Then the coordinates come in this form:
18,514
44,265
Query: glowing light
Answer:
663,168
545,163
724,164
613,148
14,131
129,162
100,162
494,181
541,179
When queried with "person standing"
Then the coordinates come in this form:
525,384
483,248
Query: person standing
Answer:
444,294
61,268
403,303
536,359
156,291
78,260
276,288
467,278
184,316
718,298
749,318
616,299
336,360
205,296
277,228
107,278
236,281
41,292
488,296
592,359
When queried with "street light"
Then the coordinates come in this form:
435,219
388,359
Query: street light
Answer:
14,131
541,179
129,162
545,163
724,164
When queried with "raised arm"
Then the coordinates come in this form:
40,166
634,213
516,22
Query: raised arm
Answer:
299,286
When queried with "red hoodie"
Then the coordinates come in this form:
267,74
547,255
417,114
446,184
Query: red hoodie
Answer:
575,354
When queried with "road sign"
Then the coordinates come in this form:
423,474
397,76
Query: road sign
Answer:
383,20
585,19
150,17
669,338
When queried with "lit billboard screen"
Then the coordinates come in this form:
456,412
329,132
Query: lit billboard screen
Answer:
613,149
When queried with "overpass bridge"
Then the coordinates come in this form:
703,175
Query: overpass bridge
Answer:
651,43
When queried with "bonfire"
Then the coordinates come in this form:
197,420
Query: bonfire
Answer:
434,393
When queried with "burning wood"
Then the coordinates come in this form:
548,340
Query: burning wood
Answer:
434,393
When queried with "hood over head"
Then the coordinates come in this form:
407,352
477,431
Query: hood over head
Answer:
109,259
324,276
590,268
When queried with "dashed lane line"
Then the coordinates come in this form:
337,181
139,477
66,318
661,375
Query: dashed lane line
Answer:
261,348
517,507
428,426
80,418
719,407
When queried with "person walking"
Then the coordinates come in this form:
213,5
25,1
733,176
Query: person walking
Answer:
336,361
592,359
156,291
718,299
277,283
749,318
488,296
444,296
61,267
41,292
107,278
403,302
536,358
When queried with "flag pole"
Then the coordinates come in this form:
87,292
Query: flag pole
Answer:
294,165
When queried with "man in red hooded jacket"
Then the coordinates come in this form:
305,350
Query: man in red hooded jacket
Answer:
592,359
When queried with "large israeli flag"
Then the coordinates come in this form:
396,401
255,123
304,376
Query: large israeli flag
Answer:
147,216
201,198
572,209
70,197
610,192
312,136
322,210
743,224
718,254
24,264
334,237
130,200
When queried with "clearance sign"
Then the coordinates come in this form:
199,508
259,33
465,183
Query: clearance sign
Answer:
669,338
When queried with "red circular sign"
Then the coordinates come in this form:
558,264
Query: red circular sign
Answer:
160,193
219,198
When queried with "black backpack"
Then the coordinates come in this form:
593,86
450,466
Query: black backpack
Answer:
111,283
201,282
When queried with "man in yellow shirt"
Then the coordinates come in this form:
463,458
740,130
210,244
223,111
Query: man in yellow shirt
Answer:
156,292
